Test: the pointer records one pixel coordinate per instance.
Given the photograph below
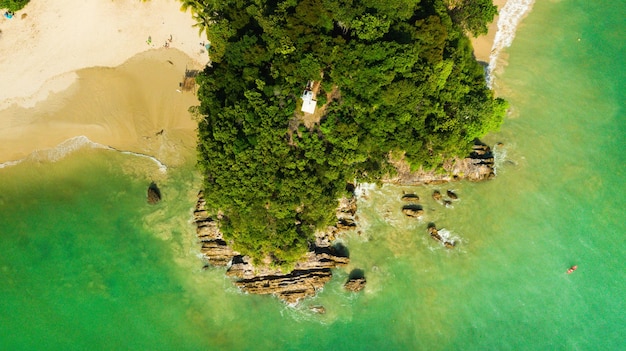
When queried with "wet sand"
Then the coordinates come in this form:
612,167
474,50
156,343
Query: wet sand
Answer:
136,107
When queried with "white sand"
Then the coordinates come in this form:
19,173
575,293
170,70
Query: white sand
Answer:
39,53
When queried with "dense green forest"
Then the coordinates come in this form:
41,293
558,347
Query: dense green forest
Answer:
391,77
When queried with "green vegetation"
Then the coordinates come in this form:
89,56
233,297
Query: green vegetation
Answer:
396,76
13,5
472,15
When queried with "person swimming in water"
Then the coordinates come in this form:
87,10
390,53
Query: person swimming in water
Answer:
571,269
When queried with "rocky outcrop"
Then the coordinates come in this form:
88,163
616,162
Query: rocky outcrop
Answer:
437,195
213,246
291,287
413,210
356,281
452,195
355,285
479,165
410,198
309,274
154,194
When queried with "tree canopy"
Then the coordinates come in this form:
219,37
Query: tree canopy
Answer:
13,5
391,76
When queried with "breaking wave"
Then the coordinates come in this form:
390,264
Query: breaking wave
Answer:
511,14
71,145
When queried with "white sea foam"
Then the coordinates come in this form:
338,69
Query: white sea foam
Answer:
499,156
67,147
72,145
362,189
162,167
510,16
10,163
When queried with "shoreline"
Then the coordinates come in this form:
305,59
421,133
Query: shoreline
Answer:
81,69
135,107
41,51
483,45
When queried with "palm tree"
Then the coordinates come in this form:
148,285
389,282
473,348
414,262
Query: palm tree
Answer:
193,4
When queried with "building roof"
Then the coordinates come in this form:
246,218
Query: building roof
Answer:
308,102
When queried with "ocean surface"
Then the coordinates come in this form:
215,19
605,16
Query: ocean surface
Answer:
87,264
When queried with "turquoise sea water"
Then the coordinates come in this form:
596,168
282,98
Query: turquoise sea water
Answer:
87,264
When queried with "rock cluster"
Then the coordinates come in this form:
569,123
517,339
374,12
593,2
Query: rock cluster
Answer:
452,196
479,165
309,274
434,233
213,247
355,284
356,281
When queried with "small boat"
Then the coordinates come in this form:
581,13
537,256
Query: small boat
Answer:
571,269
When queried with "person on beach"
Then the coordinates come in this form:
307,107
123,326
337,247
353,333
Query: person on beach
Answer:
149,41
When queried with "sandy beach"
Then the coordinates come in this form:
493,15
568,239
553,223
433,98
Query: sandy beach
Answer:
483,44
47,94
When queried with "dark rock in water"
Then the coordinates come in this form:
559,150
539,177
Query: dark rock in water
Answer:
356,281
452,195
436,195
345,224
355,285
413,210
410,198
447,203
154,194
434,233
318,309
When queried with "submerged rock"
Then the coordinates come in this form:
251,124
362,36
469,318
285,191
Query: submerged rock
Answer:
449,244
452,195
318,309
410,198
436,195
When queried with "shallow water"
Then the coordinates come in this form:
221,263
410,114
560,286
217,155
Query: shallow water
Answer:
88,264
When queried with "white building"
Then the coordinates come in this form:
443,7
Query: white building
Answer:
308,102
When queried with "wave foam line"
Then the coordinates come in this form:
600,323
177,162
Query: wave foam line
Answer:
510,16
74,144
499,156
